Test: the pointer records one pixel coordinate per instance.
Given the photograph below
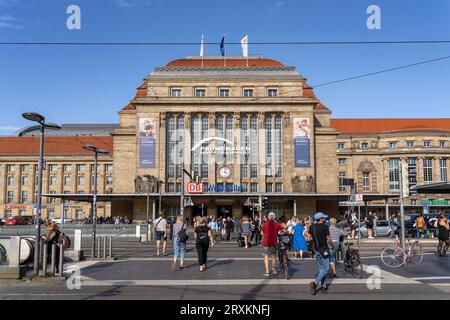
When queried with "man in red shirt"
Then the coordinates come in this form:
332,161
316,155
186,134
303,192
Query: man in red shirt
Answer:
269,233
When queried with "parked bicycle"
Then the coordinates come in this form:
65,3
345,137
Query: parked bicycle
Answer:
284,245
348,260
395,256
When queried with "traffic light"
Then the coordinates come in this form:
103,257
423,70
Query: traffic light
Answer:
264,203
405,181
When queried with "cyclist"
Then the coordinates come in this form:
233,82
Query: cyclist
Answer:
443,229
336,236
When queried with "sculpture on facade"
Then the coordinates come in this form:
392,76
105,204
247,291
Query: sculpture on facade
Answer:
212,119
187,121
286,119
141,184
303,184
162,120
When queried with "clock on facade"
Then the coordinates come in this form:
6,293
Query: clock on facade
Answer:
224,172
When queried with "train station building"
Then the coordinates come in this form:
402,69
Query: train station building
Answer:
220,133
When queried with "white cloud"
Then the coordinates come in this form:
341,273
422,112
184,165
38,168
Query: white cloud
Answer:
7,21
9,128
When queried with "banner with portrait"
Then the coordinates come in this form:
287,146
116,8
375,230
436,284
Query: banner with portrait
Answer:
302,142
147,142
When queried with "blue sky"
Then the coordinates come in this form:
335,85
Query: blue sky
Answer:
90,84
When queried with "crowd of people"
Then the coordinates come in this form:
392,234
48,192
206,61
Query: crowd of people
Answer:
318,236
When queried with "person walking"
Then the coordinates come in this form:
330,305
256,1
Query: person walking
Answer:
319,232
375,223
245,230
180,237
421,226
299,241
203,238
52,238
228,225
369,225
443,236
161,234
214,226
392,226
353,224
269,234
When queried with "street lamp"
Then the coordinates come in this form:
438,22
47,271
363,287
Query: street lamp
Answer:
96,152
36,117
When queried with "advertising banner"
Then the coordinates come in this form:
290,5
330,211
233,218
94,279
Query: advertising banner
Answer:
147,142
302,142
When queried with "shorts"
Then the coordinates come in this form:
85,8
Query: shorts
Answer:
160,236
352,227
370,226
269,251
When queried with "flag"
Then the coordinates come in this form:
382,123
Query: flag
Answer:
222,46
202,47
244,44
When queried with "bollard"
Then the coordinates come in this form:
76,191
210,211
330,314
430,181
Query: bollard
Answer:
104,247
52,262
44,260
110,247
99,248
61,261
42,245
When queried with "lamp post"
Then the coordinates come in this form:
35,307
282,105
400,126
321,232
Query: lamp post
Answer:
36,117
160,182
149,178
96,152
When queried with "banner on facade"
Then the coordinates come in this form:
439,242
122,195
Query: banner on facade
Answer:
147,142
302,142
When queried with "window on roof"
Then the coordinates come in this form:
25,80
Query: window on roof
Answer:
248,92
200,92
410,144
224,92
364,145
392,145
442,144
175,93
427,144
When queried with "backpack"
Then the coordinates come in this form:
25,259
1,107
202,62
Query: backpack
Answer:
182,235
202,237
64,241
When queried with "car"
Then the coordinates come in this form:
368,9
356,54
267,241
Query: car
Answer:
15,221
382,228
2,221
31,221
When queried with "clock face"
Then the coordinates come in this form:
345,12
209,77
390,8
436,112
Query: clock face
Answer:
224,172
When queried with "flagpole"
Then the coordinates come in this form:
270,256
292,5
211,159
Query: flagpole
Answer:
202,49
225,50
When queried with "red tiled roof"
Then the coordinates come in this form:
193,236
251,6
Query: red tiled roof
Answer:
129,106
141,91
229,63
29,146
373,126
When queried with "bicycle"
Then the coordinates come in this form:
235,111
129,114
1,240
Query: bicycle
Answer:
283,246
351,260
395,257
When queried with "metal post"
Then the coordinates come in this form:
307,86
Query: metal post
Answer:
61,261
41,247
99,247
37,218
52,262
359,224
110,247
148,208
94,206
182,189
104,247
160,196
387,209
402,207
44,260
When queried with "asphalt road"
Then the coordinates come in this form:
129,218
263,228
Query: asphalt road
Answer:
233,274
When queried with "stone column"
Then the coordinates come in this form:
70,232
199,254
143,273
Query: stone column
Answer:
261,153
